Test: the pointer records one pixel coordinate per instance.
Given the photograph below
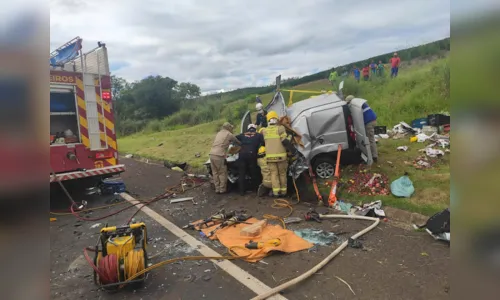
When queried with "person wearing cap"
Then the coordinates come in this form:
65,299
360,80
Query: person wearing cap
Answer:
395,60
218,156
261,116
251,140
276,142
370,120
266,185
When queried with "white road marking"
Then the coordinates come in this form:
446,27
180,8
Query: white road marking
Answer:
238,273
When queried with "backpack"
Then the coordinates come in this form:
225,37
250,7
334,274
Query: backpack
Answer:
438,223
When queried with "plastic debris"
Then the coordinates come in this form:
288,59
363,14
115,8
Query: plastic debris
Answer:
95,225
402,187
355,243
433,152
317,236
177,169
292,220
402,148
129,156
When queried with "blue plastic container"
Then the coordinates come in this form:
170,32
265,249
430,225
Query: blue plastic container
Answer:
419,123
113,185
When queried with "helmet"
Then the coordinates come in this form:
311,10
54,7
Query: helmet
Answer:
262,150
258,106
251,126
272,115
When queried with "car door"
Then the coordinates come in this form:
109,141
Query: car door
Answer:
362,141
245,121
277,104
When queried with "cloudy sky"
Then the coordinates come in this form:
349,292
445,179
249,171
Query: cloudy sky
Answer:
232,44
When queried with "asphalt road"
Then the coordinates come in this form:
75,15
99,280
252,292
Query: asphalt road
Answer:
394,263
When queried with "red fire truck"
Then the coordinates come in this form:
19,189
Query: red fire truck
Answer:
82,128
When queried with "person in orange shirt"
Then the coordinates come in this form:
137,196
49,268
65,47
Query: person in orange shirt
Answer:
395,60
366,73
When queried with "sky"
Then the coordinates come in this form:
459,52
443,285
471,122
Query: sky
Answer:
224,45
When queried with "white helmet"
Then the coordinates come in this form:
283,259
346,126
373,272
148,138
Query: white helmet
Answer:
251,126
258,106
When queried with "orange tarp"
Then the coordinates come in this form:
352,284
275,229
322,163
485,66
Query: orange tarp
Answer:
231,238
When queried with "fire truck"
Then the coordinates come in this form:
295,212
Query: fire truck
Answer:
82,128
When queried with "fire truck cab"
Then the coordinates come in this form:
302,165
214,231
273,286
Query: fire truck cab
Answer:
82,128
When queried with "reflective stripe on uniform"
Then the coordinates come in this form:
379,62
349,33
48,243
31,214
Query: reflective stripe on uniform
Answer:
366,108
271,156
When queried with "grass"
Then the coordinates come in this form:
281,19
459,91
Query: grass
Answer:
420,89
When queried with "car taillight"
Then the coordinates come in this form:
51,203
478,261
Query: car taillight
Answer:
103,154
350,125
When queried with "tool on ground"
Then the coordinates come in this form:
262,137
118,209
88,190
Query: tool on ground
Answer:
315,185
312,216
259,245
238,218
183,200
333,192
214,219
120,254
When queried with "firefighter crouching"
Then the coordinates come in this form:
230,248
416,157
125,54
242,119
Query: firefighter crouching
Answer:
276,145
218,156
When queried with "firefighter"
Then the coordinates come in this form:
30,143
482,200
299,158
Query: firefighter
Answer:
261,115
247,158
218,156
266,185
277,143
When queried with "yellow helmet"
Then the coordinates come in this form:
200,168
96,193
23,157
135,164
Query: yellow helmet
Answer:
272,115
262,150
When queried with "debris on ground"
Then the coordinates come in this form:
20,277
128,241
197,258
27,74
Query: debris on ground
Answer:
95,225
402,187
290,220
342,206
402,148
434,152
372,209
424,162
366,183
317,236
182,200
129,156
177,169
355,243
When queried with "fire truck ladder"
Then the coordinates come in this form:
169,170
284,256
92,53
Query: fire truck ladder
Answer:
91,102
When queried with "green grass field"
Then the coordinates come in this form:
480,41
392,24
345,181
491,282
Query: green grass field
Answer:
421,88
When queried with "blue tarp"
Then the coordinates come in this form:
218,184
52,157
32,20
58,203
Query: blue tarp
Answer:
66,54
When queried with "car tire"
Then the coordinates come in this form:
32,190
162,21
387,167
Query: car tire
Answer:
324,167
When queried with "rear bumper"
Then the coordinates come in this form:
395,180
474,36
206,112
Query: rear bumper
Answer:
88,173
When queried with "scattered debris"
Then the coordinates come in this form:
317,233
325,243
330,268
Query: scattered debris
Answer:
348,285
207,270
160,144
290,220
382,136
95,225
424,162
317,236
369,209
129,156
402,148
53,219
434,152
206,277
424,254
355,243
182,200
197,154
402,187
358,184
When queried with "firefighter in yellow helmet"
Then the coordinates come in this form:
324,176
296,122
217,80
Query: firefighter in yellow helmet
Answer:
275,139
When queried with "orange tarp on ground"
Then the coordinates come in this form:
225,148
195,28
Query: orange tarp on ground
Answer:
231,238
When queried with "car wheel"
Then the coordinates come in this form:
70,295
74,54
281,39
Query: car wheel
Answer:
324,167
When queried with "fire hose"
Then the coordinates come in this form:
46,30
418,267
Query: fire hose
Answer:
327,259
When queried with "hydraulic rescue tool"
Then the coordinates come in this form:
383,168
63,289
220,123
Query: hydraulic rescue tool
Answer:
120,253
238,218
214,219
259,245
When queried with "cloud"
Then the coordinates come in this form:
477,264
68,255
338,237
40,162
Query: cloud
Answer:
231,44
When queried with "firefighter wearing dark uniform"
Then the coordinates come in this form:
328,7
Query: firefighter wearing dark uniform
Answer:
247,157
276,156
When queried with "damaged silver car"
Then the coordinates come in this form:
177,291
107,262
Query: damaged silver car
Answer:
325,122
